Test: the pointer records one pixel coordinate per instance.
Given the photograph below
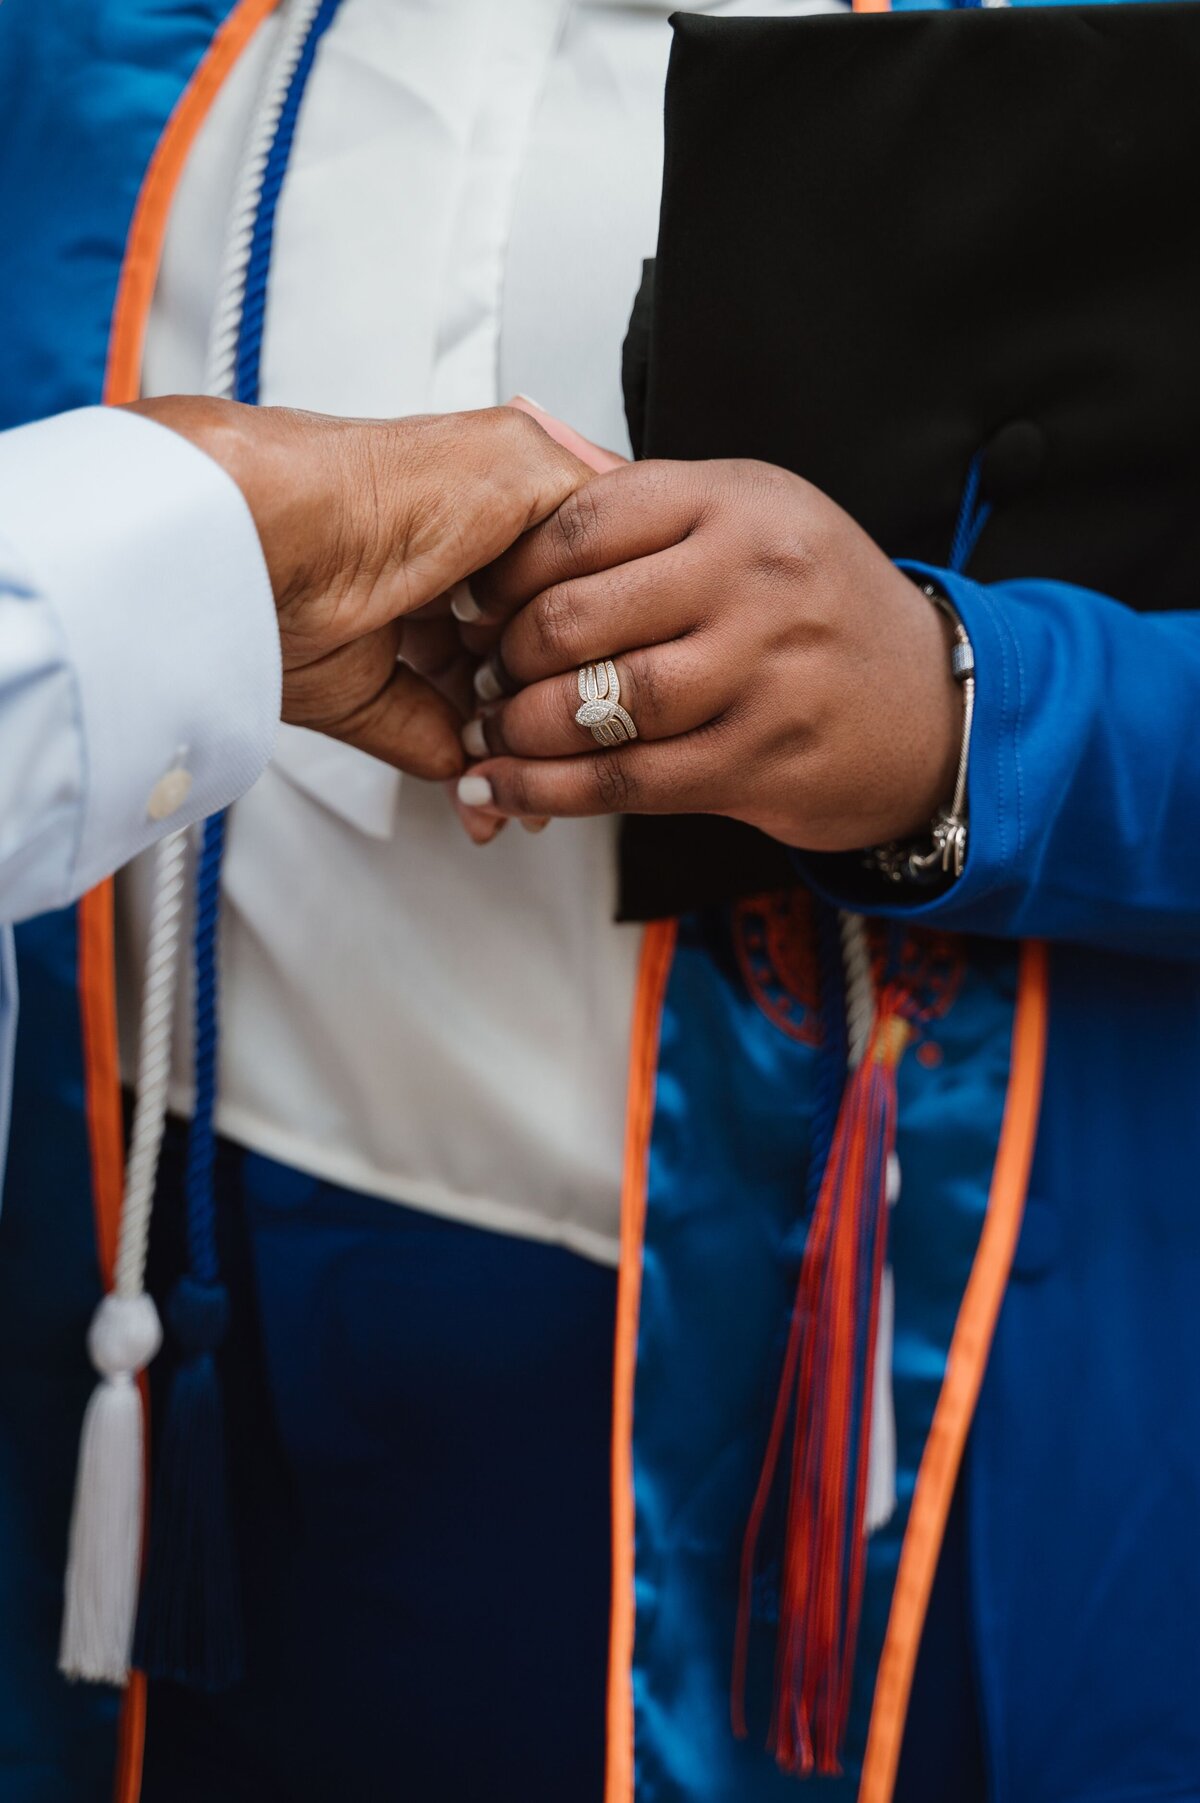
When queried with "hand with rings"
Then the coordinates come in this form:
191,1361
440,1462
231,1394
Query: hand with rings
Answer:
711,638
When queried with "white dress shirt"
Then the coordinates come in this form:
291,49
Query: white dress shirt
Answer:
471,192
139,658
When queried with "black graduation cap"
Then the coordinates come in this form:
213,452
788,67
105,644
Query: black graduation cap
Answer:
893,245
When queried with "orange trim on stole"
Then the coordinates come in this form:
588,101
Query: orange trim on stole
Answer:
964,1374
102,1079
148,227
658,950
967,1358
96,964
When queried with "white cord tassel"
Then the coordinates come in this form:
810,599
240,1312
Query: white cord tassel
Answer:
104,1559
880,1503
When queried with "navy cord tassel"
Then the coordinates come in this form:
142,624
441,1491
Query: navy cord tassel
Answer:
190,1628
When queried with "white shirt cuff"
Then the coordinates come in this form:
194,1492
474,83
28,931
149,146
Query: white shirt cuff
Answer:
149,557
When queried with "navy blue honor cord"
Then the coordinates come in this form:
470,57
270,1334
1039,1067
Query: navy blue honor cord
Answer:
190,1624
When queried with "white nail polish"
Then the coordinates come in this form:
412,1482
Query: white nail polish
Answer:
475,792
487,684
463,604
474,743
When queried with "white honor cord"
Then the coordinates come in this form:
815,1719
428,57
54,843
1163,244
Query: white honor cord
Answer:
153,1064
221,362
860,987
104,1555
880,1503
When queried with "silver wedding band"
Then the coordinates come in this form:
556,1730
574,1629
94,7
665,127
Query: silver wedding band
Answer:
600,710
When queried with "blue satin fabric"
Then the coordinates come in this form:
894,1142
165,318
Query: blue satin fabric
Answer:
1084,1472
725,1202
86,87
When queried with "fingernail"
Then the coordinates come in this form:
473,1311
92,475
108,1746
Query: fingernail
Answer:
463,604
474,742
487,683
535,826
475,792
530,402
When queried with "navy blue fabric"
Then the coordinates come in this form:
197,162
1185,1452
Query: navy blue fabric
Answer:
420,1416
85,90
1085,1462
942,1759
56,1739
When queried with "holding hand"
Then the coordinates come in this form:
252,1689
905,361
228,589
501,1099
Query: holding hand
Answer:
362,522
778,667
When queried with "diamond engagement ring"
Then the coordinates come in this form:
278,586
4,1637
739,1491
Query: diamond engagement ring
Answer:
601,711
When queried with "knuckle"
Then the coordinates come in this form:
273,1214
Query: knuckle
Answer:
647,691
792,557
555,620
614,785
576,522
517,428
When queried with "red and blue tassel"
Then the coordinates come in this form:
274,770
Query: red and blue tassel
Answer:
822,1422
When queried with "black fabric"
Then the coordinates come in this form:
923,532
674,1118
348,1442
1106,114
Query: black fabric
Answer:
635,359
670,864
890,243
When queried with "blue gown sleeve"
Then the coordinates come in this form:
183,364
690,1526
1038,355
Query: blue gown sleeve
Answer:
1084,787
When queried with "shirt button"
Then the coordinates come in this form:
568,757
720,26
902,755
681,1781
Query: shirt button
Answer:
169,794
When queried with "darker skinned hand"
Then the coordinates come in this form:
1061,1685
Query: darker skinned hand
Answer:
779,668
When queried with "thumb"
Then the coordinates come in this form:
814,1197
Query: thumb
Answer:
407,724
